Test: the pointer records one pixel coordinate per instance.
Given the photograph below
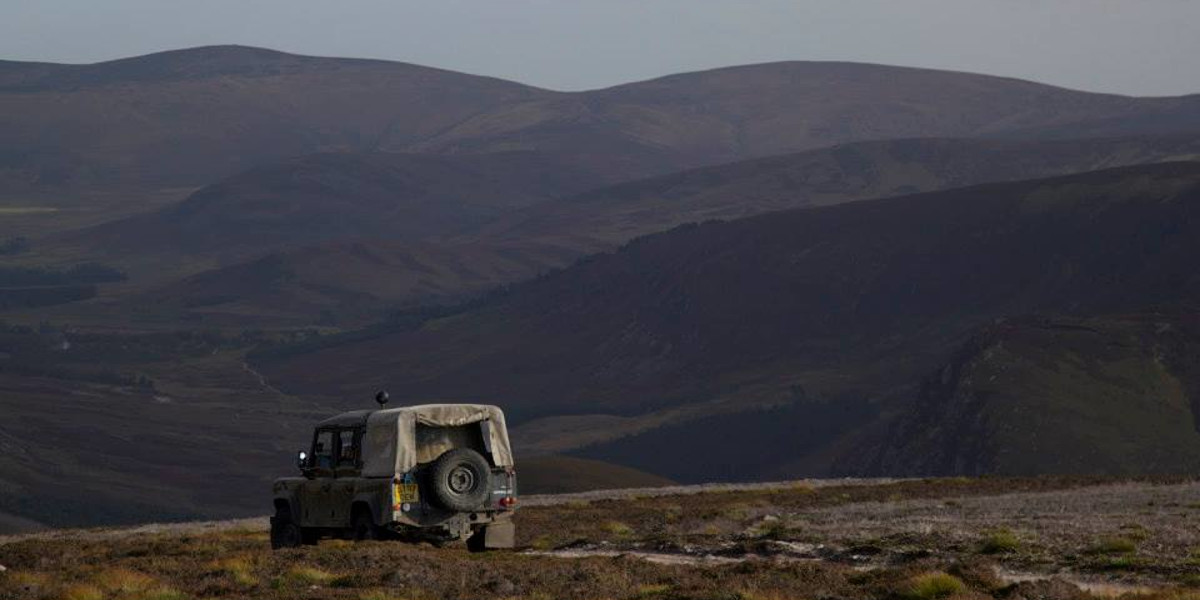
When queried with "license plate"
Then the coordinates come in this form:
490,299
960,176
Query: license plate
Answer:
404,492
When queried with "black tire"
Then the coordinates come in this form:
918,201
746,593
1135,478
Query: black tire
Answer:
364,527
461,480
310,536
285,533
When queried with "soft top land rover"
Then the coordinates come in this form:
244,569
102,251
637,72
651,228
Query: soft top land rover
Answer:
434,472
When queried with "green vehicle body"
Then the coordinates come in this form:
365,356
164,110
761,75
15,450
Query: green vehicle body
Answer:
437,473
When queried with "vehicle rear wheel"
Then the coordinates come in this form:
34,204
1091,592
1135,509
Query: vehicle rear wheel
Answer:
461,480
365,528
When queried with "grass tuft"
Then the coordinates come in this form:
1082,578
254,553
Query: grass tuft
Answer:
760,595
1000,542
83,591
301,576
933,586
124,581
158,593
26,578
1112,545
770,529
238,569
379,595
618,529
652,591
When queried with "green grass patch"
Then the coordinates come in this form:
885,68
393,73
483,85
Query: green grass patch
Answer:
1000,542
302,576
653,591
1112,545
618,529
1135,531
933,586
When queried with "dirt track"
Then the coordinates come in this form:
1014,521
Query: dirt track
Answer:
261,523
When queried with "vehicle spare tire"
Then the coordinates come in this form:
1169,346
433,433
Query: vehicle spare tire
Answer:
460,480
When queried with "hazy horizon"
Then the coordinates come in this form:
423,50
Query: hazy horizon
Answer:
1116,46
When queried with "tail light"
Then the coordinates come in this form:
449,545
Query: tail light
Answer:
508,502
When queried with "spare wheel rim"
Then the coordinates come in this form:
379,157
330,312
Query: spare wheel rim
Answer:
461,480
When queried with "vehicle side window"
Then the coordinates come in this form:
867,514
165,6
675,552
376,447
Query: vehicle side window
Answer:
323,450
347,448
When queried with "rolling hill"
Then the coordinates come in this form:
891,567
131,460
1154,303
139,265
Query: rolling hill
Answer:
333,196
780,317
359,279
187,117
726,114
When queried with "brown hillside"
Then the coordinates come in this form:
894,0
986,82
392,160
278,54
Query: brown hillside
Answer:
358,279
791,309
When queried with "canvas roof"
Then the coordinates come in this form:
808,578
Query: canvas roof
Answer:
390,447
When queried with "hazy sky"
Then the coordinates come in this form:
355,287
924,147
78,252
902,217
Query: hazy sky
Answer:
1143,47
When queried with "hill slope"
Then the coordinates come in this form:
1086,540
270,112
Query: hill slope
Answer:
790,310
331,196
606,217
357,279
1114,395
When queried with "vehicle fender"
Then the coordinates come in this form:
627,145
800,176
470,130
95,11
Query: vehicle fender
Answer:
377,502
288,497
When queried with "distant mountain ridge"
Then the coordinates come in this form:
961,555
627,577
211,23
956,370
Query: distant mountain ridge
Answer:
184,117
191,63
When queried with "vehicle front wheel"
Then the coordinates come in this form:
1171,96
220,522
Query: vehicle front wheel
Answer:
285,534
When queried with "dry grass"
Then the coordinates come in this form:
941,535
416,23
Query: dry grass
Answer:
916,547
653,590
1113,545
83,591
240,570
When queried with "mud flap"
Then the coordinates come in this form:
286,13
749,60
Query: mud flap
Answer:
501,534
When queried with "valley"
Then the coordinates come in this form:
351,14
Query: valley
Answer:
834,269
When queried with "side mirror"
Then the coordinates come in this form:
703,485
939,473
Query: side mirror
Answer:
302,460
